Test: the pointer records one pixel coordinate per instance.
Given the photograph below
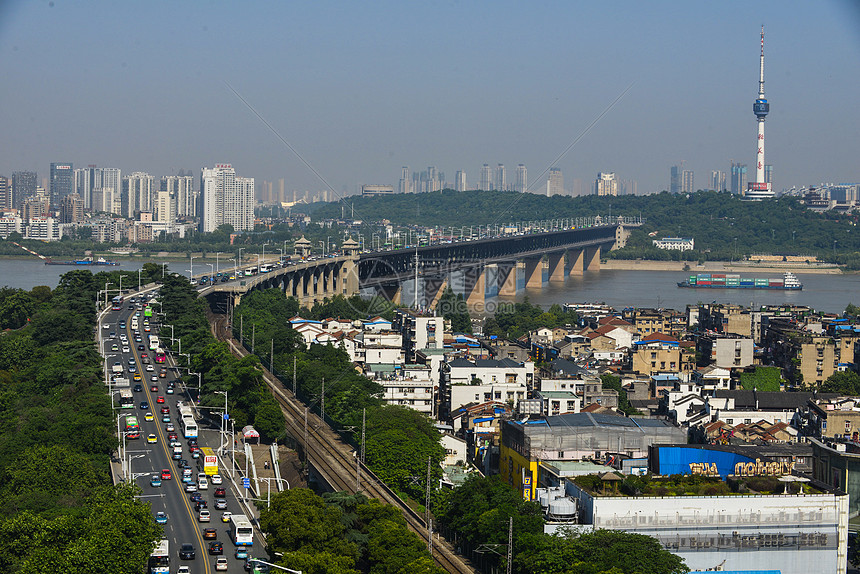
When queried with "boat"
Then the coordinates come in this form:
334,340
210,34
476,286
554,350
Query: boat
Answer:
789,282
84,261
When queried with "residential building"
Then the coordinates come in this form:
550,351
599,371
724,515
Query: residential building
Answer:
72,209
555,182
6,201
403,184
368,190
718,180
730,352
23,186
139,194
482,380
165,207
226,199
501,181
486,179
660,353
675,179
460,181
182,188
419,331
405,385
726,319
738,178
522,183
606,184
687,185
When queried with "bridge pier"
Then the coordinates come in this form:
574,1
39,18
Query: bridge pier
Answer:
392,292
534,272
433,289
507,279
577,262
556,267
475,283
592,257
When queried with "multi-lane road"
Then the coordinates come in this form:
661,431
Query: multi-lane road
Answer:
145,460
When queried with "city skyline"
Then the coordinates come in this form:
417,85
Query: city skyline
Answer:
156,115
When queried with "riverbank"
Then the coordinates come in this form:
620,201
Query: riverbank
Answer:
720,267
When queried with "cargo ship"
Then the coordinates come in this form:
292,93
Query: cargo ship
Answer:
85,261
789,282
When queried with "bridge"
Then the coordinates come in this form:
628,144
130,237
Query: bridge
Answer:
562,252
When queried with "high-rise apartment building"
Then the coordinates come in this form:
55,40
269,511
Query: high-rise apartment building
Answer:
768,175
72,209
629,187
165,207
522,179
403,185
718,180
84,185
23,186
687,184
739,178
555,182
226,199
5,193
606,184
486,178
501,182
675,179
460,181
62,181
138,193
182,189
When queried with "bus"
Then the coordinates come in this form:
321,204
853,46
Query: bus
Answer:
265,268
153,342
147,312
189,425
160,357
132,428
159,560
241,530
208,461
126,399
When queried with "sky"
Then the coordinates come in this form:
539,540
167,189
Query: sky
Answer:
337,94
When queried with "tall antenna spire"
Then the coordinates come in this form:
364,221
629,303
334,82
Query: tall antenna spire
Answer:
761,67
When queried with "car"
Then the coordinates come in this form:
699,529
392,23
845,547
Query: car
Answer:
210,533
148,417
165,418
140,347
216,547
151,439
195,454
220,504
137,339
190,487
146,329
184,464
154,378
165,410
225,516
186,552
105,326
200,505
241,552
131,361
153,389
188,478
159,399
216,479
160,518
176,455
221,563
220,492
192,446
162,374
165,474
114,348
126,350
171,435
195,497
174,443
131,369
138,388
144,355
149,368
155,481
202,484
203,515
169,390
137,377
137,314
144,406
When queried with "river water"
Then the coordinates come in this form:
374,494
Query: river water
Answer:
619,288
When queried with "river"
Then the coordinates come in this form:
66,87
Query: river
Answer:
619,288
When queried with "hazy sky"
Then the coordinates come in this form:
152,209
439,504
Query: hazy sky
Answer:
362,88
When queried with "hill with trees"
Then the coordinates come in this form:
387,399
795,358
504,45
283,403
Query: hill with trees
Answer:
723,226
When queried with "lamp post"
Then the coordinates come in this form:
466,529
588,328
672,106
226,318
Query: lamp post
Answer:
240,258
171,333
191,271
106,291
223,421
138,278
216,263
129,476
163,269
211,270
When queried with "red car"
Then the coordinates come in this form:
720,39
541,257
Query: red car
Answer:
154,388
144,356
165,474
160,399
165,410
172,436
193,448
220,492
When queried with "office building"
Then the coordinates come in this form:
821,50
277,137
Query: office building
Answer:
768,175
718,180
522,179
368,190
486,179
403,185
675,179
606,184
460,181
23,186
739,178
687,185
555,182
226,199
182,189
62,181
138,190
84,185
501,178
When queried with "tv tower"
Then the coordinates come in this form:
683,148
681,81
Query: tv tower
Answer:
758,189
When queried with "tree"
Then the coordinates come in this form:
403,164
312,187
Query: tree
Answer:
843,382
610,381
453,308
269,419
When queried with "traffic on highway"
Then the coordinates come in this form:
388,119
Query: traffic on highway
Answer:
165,451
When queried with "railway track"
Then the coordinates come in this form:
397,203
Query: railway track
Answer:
336,461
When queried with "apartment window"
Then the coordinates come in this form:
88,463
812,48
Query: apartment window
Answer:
730,421
747,421
847,426
653,355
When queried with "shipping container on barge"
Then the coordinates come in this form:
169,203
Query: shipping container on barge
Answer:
789,282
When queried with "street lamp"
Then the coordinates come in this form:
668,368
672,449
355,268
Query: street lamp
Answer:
223,421
240,256
138,278
191,271
211,269
171,332
106,291
129,475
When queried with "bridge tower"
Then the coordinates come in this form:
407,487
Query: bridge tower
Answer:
303,247
348,274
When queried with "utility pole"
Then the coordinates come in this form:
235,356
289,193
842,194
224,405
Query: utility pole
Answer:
294,375
363,420
242,329
322,401
253,335
510,544
272,358
427,507
307,462
415,304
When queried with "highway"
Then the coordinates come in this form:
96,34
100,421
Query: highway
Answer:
149,459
